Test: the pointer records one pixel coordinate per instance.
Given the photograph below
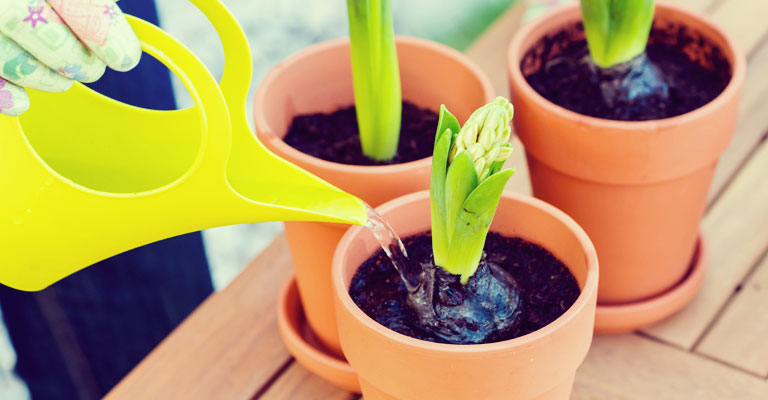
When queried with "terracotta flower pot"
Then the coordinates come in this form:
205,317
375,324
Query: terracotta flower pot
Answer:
639,189
540,365
319,79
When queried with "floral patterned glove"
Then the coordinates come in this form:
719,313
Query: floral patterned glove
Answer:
48,44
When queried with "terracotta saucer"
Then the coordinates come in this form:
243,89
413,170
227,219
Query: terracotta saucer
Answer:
621,318
305,348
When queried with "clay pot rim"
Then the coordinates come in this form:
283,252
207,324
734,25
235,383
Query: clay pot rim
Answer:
732,50
340,287
319,164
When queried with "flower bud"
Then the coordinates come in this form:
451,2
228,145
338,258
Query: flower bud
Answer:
468,134
485,136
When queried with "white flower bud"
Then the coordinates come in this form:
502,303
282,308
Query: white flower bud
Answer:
493,121
505,136
468,134
504,153
479,115
487,137
476,151
479,166
492,154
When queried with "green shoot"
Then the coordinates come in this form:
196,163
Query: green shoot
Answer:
376,77
617,30
466,184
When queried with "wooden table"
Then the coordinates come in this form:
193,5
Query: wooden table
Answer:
716,348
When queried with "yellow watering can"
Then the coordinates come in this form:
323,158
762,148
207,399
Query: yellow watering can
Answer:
84,177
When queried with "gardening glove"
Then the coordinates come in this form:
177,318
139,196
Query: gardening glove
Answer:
47,45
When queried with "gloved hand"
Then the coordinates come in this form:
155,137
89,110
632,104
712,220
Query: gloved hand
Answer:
47,45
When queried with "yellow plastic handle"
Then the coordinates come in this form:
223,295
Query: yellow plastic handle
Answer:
238,64
210,105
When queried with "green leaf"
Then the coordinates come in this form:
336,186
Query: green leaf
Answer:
617,30
496,167
437,196
446,121
376,77
460,181
466,247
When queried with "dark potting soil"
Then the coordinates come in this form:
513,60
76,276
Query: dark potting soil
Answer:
545,288
695,71
335,136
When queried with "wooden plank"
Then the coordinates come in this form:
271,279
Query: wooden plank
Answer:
700,6
748,30
630,367
298,383
733,223
740,336
617,367
227,349
752,122
489,51
736,228
743,20
520,181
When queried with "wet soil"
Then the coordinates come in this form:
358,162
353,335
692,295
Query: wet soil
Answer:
542,289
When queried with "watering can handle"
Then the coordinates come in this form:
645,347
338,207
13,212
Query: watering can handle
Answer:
216,102
238,64
236,79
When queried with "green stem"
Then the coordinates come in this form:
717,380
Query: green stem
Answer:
376,77
617,30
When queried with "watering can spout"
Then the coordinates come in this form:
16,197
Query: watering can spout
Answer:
276,190
311,202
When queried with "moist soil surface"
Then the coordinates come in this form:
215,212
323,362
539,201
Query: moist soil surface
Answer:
546,288
335,136
694,70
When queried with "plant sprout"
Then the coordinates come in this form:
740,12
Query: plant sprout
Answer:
376,77
460,290
617,30
466,184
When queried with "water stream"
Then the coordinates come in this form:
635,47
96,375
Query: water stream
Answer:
393,247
